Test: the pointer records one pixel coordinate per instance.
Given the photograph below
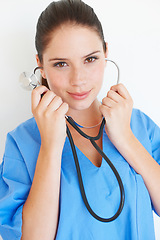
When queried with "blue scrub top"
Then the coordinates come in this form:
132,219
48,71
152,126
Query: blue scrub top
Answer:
101,187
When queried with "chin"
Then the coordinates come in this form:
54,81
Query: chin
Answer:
80,106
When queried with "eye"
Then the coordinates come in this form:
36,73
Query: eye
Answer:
60,64
91,59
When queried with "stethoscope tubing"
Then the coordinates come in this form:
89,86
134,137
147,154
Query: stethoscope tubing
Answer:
74,124
92,140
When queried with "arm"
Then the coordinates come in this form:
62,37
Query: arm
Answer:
40,212
118,105
143,163
15,184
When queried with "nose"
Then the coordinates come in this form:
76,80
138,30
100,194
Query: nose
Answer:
78,76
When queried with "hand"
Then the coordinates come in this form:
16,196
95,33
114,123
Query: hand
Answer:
117,109
49,112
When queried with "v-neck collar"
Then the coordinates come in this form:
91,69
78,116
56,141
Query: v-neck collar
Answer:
83,160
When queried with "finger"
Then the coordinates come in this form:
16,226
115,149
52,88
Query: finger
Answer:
104,110
63,109
114,96
54,104
47,99
108,102
121,90
36,95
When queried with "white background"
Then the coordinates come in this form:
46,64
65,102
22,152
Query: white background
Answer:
132,30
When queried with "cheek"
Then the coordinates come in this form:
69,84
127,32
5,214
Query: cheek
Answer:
56,86
98,75
55,82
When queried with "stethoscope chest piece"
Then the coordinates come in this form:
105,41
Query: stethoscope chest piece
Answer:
28,81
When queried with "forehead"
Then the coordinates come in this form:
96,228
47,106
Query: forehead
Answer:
73,39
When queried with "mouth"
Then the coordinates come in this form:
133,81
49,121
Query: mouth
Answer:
79,96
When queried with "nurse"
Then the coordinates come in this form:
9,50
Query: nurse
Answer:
39,191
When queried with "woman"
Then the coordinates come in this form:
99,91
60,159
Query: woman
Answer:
40,196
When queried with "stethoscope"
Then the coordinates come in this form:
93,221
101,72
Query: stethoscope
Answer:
30,81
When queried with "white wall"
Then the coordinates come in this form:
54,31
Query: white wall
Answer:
132,30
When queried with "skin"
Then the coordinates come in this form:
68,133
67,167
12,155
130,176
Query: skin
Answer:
74,72
73,64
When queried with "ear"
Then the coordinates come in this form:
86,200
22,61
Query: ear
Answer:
106,53
40,65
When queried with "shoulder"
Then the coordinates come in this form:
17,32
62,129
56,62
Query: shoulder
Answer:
24,136
27,129
140,119
144,127
22,146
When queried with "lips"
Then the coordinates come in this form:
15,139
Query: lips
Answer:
79,96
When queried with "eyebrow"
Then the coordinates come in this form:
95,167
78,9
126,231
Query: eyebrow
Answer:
63,59
92,53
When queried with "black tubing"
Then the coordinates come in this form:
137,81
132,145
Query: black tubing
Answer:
92,140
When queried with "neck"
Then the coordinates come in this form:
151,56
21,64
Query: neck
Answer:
87,117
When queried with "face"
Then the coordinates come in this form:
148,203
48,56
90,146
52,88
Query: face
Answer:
73,64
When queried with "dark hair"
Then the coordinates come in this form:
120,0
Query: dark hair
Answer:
61,12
